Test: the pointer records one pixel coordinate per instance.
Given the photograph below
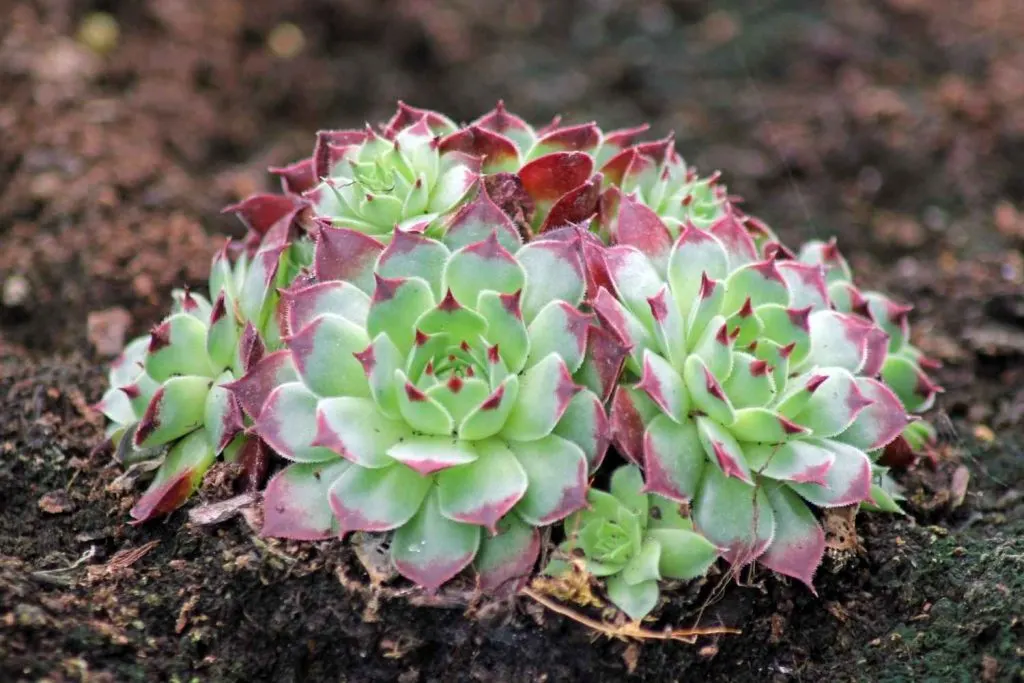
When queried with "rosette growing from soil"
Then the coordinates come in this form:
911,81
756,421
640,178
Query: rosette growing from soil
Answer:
750,396
633,540
168,395
428,323
443,390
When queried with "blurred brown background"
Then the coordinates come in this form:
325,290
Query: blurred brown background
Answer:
898,124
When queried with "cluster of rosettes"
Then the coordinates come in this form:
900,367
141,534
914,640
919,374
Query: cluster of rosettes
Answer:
440,329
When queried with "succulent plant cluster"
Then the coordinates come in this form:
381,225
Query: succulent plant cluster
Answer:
169,392
435,331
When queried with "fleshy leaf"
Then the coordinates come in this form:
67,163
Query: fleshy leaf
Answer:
506,560
254,297
723,449
879,423
786,326
557,471
430,549
485,490
553,175
643,566
799,542
295,502
500,120
380,499
637,600
838,339
178,347
175,410
396,306
222,335
911,384
834,404
482,265
583,137
674,458
602,363
738,244
222,416
685,555
561,329
761,282
478,219
664,386
714,347
848,481
179,475
765,425
429,454
638,226
695,255
635,279
750,384
460,396
413,255
355,429
498,152
544,394
490,416
253,388
625,326
631,410
794,461
627,485
324,353
586,425
505,327
288,424
574,207
554,271
806,285
423,413
344,254
735,516
704,313
706,393
380,360
456,320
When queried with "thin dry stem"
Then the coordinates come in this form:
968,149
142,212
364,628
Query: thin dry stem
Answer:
631,629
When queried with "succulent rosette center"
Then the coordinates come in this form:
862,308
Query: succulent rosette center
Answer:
435,391
633,539
372,181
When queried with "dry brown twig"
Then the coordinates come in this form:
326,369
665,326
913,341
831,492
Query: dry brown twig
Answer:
631,629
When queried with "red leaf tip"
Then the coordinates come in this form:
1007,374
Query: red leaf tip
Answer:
449,303
707,285
747,309
712,385
814,382
159,337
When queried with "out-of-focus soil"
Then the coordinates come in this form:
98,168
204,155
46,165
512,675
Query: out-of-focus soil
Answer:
896,124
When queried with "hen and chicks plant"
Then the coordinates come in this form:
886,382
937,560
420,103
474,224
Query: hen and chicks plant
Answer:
438,329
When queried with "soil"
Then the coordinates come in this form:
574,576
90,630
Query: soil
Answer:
895,124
